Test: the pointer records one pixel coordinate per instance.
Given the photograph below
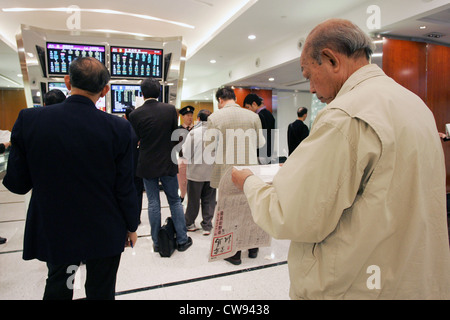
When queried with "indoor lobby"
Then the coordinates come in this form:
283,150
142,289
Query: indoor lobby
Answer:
197,47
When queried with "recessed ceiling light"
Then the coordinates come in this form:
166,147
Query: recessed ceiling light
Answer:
271,79
252,37
212,61
423,27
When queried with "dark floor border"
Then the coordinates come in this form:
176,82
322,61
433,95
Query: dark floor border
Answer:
9,221
214,276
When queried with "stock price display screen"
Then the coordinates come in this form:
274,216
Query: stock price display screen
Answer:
136,62
124,96
60,55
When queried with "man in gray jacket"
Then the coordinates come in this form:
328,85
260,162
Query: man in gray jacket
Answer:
199,175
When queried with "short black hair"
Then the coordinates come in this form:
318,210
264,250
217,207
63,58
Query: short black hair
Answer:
204,114
128,110
225,93
88,74
53,97
302,111
151,88
250,98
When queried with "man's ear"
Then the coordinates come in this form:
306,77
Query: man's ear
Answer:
67,82
328,56
105,91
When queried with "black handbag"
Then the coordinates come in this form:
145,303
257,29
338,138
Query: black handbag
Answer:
167,239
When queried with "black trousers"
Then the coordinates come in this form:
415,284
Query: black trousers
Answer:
100,279
200,192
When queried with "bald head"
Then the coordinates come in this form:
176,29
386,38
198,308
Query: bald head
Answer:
88,74
341,36
333,51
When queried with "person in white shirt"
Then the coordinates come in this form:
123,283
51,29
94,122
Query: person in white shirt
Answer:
198,174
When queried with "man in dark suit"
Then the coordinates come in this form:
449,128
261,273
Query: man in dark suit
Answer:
154,123
297,130
255,103
78,162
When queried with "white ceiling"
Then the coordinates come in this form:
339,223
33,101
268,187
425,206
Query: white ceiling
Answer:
218,29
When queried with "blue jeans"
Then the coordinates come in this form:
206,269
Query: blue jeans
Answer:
170,187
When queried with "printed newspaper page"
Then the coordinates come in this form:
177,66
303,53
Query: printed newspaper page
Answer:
234,228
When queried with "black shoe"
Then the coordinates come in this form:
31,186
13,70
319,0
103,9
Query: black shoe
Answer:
253,253
186,245
155,249
2,240
236,259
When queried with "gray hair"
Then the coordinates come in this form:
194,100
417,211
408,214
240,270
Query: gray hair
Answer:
339,35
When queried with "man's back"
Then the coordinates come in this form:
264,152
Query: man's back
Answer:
154,123
244,127
268,124
297,132
79,167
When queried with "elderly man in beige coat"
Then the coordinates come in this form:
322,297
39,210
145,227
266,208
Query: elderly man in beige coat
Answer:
363,197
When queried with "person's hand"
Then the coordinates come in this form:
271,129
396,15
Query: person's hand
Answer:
131,239
7,144
239,176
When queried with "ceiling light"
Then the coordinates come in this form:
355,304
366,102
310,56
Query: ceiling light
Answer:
423,27
271,79
212,61
252,37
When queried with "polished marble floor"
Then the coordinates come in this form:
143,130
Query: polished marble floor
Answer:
143,274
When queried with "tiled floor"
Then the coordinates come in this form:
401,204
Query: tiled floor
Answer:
143,274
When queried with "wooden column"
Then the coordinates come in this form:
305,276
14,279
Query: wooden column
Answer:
425,70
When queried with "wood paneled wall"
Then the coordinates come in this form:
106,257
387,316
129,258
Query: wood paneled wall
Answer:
241,93
11,102
425,70
198,105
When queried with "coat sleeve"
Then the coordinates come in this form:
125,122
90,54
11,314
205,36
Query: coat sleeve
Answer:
18,178
125,189
310,191
261,140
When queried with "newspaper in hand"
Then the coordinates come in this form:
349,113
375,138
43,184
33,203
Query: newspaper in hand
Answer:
234,228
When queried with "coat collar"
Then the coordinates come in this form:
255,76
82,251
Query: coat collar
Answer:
360,75
231,105
80,99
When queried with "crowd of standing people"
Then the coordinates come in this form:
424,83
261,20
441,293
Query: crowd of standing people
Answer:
364,191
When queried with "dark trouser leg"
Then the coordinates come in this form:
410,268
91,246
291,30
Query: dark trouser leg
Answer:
194,190
208,205
59,284
101,278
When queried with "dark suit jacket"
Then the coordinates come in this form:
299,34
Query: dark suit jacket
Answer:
268,123
297,132
78,162
154,123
